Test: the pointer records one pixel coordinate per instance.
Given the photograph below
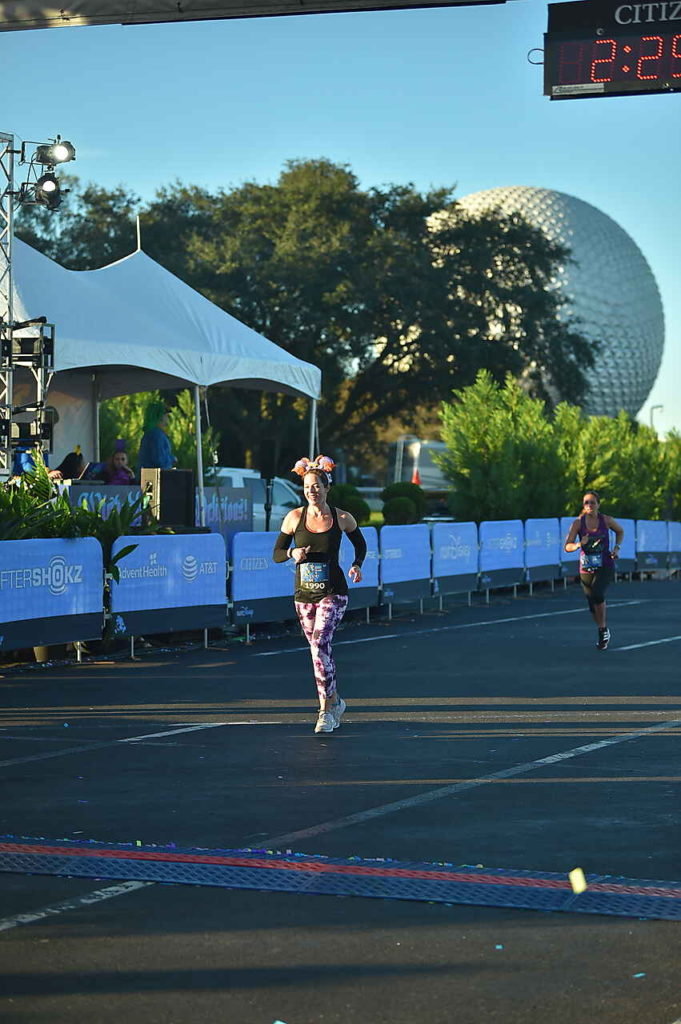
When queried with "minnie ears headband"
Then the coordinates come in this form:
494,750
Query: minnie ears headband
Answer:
322,462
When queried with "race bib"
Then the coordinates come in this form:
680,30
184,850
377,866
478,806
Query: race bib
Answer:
314,576
592,555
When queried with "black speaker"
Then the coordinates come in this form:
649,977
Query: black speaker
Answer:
172,495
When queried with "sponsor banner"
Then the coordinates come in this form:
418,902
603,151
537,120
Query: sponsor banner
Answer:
405,553
652,544
542,542
364,594
51,591
43,578
627,556
170,571
501,545
229,510
542,548
93,492
254,576
569,560
674,545
455,549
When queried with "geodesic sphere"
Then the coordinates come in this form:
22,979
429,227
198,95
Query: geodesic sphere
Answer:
610,288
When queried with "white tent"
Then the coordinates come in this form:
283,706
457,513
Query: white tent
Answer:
133,326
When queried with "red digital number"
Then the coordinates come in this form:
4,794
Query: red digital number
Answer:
676,54
603,60
571,57
659,41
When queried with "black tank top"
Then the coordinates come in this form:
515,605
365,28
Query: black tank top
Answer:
319,575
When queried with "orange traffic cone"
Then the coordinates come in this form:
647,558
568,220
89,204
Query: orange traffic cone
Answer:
415,478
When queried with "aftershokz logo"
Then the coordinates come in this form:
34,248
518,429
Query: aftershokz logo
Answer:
57,576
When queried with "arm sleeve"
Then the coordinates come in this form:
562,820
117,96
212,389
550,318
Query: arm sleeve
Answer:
359,544
281,546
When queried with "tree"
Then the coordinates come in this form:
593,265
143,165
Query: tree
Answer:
502,457
397,296
124,417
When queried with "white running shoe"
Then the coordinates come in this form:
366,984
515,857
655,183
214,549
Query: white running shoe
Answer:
603,639
326,722
338,710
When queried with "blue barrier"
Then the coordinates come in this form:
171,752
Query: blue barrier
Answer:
405,563
502,553
364,594
261,590
569,560
652,545
170,582
626,561
674,532
455,557
51,592
543,545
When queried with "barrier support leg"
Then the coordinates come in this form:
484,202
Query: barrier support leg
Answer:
205,639
132,647
368,616
248,633
530,586
440,599
553,586
79,653
421,605
390,612
469,599
515,590
487,596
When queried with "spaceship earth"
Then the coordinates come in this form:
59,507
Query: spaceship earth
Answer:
610,288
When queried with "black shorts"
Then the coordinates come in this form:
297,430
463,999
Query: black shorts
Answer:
594,584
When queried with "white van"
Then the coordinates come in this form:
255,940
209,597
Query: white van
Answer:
284,494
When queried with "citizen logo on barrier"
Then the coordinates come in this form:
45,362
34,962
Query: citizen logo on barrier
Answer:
57,576
244,613
254,563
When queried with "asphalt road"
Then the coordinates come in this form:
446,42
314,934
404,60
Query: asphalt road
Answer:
215,749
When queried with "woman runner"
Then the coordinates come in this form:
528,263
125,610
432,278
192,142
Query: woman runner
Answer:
320,589
596,560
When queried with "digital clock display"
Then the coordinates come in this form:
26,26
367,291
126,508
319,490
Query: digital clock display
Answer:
596,49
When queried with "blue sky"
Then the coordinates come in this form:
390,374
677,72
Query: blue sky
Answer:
436,97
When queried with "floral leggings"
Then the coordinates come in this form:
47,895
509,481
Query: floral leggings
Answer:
318,620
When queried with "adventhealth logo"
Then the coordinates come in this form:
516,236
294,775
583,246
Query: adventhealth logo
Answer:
151,569
57,576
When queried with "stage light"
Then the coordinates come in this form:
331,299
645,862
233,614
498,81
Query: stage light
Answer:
47,191
57,152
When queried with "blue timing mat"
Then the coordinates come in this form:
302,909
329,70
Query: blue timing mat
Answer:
303,873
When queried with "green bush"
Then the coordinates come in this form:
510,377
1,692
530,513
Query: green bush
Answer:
348,498
399,512
406,490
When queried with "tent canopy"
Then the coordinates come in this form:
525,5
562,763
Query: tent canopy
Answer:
137,327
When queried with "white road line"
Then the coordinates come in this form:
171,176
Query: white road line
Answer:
106,743
460,787
81,901
443,629
170,732
650,643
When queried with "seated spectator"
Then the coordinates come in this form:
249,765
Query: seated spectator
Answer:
70,467
116,468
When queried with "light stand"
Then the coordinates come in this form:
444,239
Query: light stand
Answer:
35,350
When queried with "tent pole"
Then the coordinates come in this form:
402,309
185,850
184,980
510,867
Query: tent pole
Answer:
199,455
313,425
95,419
